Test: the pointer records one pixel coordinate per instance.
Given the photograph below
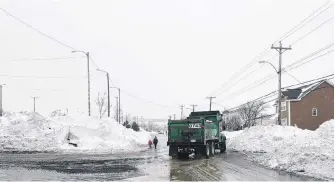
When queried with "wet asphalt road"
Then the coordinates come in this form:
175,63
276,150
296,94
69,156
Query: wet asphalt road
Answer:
147,165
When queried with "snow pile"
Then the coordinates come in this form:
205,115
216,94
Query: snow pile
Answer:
289,148
231,134
33,132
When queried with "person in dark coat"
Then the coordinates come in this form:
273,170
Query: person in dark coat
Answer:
155,141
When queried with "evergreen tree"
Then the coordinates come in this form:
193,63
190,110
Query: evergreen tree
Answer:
127,124
135,126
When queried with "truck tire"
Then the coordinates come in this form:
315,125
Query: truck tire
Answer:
223,147
212,148
183,155
207,150
173,151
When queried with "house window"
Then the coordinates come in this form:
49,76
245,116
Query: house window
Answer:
314,112
283,106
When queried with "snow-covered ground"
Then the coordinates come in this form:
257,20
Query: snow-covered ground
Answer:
289,148
33,132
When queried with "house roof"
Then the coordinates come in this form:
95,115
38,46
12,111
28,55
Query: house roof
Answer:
300,92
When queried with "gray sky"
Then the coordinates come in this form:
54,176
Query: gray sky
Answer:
167,52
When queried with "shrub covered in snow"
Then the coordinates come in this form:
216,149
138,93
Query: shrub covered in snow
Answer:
33,132
289,148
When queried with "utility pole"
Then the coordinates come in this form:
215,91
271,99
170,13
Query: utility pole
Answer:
182,109
117,112
119,106
108,99
193,106
1,112
88,79
89,83
210,102
109,110
280,51
34,102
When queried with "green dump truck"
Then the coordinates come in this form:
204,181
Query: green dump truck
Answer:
199,134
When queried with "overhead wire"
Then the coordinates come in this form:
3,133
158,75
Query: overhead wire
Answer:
287,34
271,94
41,59
270,76
44,34
38,31
41,77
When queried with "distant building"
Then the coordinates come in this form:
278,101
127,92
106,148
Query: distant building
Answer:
308,106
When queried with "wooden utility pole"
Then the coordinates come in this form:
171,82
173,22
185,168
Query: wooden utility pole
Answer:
34,102
280,51
193,106
88,83
182,109
210,102
1,112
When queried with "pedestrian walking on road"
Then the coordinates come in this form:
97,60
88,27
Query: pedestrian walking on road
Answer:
155,141
150,143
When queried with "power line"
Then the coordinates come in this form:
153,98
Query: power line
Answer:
313,30
269,77
136,97
41,77
42,59
290,32
44,34
38,31
312,59
288,67
274,92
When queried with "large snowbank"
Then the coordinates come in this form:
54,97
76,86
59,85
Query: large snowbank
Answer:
33,132
289,148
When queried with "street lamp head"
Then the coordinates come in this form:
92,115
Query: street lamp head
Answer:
261,62
73,51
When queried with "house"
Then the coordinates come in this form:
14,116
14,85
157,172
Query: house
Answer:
308,106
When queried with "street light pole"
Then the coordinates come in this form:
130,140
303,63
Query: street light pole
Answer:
108,100
117,113
119,107
34,102
88,79
1,111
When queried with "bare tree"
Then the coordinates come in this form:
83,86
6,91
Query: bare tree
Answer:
233,123
250,111
102,104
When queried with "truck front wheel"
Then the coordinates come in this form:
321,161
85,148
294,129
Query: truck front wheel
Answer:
223,147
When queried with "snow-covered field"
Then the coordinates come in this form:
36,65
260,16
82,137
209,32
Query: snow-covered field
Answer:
289,148
33,132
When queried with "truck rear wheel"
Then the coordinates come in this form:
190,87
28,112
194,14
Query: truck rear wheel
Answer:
212,149
207,150
183,155
173,151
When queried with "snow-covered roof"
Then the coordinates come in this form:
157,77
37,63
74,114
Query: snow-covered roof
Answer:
300,92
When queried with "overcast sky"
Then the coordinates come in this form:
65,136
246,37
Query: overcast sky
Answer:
168,52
